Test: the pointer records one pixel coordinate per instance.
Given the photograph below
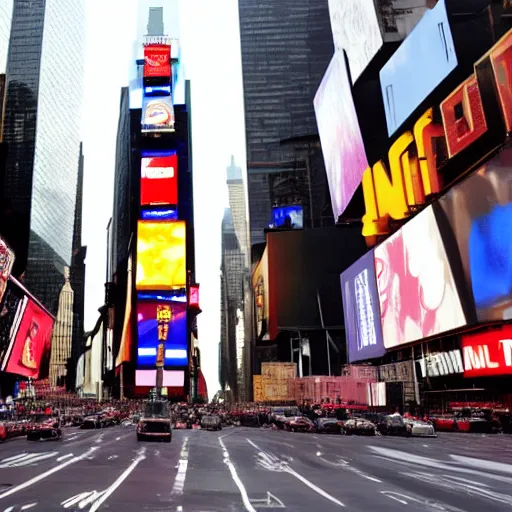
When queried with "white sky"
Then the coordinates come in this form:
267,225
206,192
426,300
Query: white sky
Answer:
211,52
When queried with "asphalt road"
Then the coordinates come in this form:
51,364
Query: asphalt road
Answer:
242,469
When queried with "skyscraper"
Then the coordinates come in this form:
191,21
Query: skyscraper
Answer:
285,53
45,76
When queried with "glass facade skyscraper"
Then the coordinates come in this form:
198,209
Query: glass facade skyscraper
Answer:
45,76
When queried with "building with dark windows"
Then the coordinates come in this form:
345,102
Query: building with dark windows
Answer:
42,131
285,53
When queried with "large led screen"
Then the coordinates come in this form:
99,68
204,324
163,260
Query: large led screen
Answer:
161,250
417,293
288,216
159,179
421,63
30,341
160,322
6,264
340,134
361,310
157,115
157,60
479,213
171,379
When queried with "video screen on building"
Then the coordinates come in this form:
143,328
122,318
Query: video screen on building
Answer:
417,292
479,214
159,322
157,60
157,115
30,340
171,379
159,179
361,309
6,264
161,251
340,135
288,216
421,63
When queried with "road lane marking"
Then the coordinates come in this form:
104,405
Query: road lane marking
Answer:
285,468
106,494
28,459
19,456
64,457
29,506
42,476
235,477
390,494
179,481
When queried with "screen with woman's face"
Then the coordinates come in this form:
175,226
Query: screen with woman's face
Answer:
417,292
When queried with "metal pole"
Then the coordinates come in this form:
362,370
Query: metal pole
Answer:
291,350
301,371
328,352
121,390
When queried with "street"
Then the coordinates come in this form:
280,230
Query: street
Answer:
241,469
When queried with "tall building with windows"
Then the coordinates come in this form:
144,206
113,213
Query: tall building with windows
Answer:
285,52
45,76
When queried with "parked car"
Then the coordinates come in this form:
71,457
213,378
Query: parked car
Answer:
211,422
299,424
419,428
393,425
44,427
329,426
90,422
360,427
154,428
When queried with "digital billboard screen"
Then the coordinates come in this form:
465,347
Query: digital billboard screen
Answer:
6,264
159,322
417,292
288,216
340,135
157,115
159,214
420,64
159,179
361,309
30,340
171,379
161,251
479,215
157,60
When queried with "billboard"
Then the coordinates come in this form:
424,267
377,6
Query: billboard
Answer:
30,340
6,264
171,378
157,60
288,216
417,293
421,63
340,135
361,309
159,179
157,115
488,353
161,251
260,287
162,323
159,214
479,215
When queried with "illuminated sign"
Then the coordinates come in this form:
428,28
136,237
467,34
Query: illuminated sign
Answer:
488,353
157,60
157,115
413,173
165,214
175,296
161,252
193,293
441,363
159,179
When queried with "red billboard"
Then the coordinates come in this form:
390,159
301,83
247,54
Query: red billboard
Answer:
157,60
488,353
30,340
159,179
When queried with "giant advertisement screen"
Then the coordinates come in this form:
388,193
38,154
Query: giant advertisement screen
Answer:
340,134
6,264
479,214
157,115
361,310
421,63
157,60
161,250
165,323
417,292
159,179
30,340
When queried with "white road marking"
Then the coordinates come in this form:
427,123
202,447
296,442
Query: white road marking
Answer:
118,438
179,481
179,509
100,439
27,507
284,467
391,495
44,475
235,477
485,465
29,459
105,495
14,457
64,457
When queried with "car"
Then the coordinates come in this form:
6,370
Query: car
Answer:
329,426
90,422
154,428
419,428
359,426
393,425
211,422
299,424
44,427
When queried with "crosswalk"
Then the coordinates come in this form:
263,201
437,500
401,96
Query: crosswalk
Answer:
26,459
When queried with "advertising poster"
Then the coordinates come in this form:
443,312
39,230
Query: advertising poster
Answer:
479,215
6,263
157,60
159,179
417,293
159,323
161,251
30,342
288,217
361,310
260,285
340,135
157,115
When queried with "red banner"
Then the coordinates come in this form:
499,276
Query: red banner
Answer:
157,61
31,342
159,180
488,353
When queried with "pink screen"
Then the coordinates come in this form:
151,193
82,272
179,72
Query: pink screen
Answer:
417,292
340,135
171,379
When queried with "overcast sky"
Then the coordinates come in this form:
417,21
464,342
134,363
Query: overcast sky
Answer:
211,53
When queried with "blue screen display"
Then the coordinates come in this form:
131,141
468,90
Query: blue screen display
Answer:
175,296
163,214
421,63
295,213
